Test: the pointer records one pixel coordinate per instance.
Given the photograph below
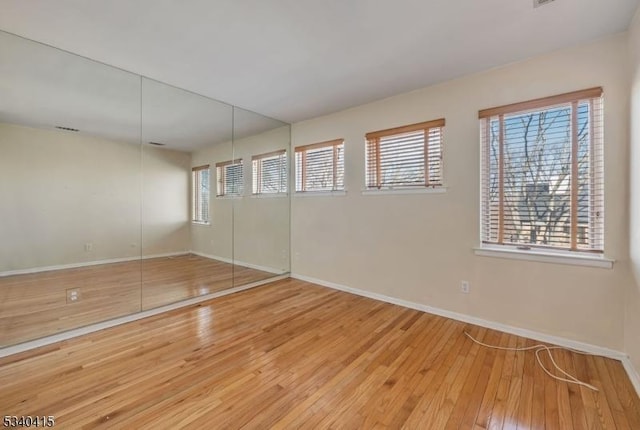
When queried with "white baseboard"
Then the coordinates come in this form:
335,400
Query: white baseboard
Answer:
37,343
542,337
88,263
144,257
634,376
240,263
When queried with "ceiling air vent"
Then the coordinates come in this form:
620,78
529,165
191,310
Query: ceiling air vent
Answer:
156,143
67,128
538,3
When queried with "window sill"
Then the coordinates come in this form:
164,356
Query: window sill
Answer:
320,193
269,195
229,196
205,224
416,190
545,256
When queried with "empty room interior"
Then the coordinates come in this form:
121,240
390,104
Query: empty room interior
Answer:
280,214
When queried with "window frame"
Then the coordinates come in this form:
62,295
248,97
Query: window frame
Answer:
256,171
373,168
302,168
221,178
196,197
572,254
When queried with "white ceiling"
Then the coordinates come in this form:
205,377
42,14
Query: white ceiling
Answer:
297,59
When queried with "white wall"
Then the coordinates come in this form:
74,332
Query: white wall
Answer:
632,320
418,247
60,191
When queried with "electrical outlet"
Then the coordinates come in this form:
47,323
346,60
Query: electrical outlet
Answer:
73,295
88,247
464,287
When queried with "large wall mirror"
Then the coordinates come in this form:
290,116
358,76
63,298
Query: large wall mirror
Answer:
120,194
186,234
261,215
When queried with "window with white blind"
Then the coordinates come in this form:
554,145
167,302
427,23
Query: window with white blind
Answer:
320,166
230,178
200,194
543,173
404,157
270,172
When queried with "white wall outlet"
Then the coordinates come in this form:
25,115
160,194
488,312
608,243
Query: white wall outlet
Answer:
464,287
73,295
88,247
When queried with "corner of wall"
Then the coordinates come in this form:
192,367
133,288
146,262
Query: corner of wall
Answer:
632,297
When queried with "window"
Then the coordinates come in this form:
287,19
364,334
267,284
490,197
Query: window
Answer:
542,173
270,172
230,178
409,156
200,194
320,166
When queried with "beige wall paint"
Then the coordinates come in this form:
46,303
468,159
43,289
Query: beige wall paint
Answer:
418,247
261,223
632,311
60,191
251,229
165,201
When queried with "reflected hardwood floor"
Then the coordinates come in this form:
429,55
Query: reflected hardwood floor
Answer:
294,355
35,305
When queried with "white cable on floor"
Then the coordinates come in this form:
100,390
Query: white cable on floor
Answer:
538,348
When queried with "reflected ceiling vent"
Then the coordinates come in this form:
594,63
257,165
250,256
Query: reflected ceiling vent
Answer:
75,130
538,3
156,143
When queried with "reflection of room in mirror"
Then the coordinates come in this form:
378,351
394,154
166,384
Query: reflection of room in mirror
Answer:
261,217
97,194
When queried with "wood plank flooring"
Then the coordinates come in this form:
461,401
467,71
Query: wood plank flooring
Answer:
35,305
295,355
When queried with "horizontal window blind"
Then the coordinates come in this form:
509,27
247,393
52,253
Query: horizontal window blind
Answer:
543,173
405,156
200,194
320,166
230,178
270,172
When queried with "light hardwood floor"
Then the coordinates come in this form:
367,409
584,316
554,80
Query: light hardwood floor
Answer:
295,355
35,305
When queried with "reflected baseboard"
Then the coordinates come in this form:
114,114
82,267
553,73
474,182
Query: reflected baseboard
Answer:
59,337
241,263
135,258
89,263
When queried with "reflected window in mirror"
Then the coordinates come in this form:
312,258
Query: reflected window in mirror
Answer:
200,198
270,172
230,178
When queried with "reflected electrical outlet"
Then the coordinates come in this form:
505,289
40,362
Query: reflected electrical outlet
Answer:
73,295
